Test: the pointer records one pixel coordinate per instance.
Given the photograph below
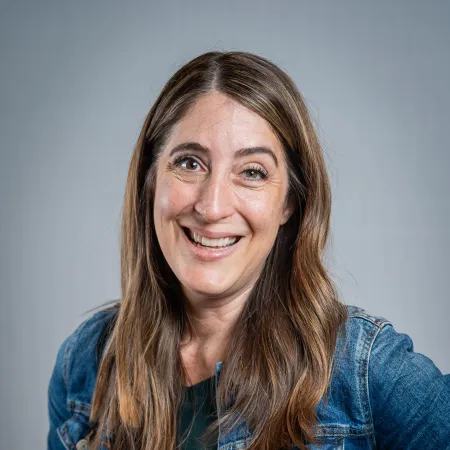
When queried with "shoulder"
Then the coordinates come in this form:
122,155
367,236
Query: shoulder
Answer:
79,358
359,332
360,316
371,338
367,339
402,394
356,338
348,396
348,393
84,341
73,379
362,329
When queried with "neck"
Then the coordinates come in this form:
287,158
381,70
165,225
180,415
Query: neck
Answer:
211,319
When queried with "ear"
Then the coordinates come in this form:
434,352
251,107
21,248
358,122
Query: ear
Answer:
287,212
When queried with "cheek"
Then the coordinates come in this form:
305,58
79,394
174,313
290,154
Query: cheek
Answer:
170,199
263,210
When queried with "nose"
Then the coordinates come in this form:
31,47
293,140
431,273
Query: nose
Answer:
215,199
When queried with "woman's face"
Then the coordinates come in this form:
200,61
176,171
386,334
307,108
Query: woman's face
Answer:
220,197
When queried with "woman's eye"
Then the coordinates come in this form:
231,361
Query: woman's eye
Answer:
188,163
255,174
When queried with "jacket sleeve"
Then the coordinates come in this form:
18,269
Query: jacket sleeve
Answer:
57,398
409,396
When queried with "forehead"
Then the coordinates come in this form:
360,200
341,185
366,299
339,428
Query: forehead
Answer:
219,122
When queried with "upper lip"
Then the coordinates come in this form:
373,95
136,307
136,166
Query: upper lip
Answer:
212,234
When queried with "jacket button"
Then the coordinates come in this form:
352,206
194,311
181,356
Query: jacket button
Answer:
82,445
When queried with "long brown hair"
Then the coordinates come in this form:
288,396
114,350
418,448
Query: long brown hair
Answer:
281,355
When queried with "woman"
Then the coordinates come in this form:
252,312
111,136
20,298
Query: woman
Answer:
228,320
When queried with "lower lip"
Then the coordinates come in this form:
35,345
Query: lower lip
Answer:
210,254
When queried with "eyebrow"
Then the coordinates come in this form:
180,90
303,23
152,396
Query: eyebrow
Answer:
246,151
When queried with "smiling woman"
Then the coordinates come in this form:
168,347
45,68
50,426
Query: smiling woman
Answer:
220,199
229,333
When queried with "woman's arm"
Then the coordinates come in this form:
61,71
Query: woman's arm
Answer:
57,399
409,396
73,381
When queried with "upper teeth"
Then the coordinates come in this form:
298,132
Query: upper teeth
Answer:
222,242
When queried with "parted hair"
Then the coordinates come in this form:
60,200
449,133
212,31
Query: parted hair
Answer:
282,349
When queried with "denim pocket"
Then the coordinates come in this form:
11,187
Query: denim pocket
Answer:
74,432
341,443
328,443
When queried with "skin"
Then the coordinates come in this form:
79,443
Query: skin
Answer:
210,188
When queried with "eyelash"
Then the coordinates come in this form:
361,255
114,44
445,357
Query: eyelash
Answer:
255,168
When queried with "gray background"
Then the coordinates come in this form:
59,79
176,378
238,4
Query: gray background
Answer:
77,79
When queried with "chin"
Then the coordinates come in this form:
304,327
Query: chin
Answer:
207,284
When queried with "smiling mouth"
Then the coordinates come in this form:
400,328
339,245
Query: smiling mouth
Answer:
201,241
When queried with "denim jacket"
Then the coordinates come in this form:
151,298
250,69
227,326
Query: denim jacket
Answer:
382,394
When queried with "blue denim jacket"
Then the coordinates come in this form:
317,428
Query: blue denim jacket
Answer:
382,394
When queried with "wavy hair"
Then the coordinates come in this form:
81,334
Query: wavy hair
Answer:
282,351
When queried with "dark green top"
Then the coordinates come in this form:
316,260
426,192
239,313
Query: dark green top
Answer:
200,415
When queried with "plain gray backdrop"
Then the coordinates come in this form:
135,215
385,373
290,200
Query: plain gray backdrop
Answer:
77,79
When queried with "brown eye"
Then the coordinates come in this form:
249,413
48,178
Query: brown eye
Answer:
188,163
191,164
